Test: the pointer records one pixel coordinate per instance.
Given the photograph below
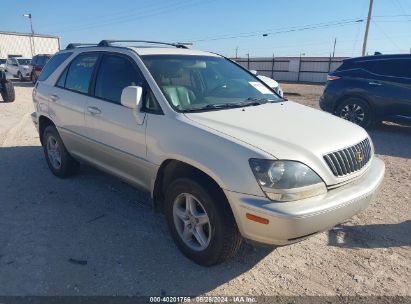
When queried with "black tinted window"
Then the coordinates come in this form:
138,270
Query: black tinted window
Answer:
114,74
42,60
34,60
80,71
394,67
62,80
52,65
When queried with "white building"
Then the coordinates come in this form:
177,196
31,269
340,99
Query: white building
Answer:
27,45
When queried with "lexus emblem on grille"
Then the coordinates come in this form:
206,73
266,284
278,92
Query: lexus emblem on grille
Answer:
359,156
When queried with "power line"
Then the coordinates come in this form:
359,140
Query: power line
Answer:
154,12
387,36
401,8
284,30
119,15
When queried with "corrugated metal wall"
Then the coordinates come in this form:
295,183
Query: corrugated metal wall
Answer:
25,45
304,69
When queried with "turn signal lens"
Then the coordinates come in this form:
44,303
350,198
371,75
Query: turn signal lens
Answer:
257,219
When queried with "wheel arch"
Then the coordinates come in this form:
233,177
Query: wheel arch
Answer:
44,122
171,169
353,95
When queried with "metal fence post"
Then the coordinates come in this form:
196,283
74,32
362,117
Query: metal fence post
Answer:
329,65
272,67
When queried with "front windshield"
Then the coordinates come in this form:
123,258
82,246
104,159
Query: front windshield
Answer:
204,82
24,61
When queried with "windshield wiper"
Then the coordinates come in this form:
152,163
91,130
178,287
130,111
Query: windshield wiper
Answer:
230,105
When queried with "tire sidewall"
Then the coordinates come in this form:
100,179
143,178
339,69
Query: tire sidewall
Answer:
368,113
185,185
62,171
8,93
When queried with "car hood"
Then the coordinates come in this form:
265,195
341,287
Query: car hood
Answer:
287,130
24,67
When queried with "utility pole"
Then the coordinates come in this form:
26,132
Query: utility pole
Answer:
335,43
236,52
364,46
32,46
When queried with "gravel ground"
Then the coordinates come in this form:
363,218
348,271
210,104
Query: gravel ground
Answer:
95,235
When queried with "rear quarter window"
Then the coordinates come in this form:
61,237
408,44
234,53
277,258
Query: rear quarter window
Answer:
392,67
52,65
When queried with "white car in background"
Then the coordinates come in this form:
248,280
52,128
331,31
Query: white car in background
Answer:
18,67
270,82
2,64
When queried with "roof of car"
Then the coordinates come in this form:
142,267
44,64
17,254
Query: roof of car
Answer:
142,47
380,57
170,51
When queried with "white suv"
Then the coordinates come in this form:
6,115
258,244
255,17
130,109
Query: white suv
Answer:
223,156
18,67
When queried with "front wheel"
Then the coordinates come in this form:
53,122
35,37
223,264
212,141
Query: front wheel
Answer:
357,111
201,222
20,76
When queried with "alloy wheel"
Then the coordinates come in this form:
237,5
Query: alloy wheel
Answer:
191,221
353,112
53,152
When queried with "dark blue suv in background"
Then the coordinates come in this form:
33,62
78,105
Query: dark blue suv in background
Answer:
370,89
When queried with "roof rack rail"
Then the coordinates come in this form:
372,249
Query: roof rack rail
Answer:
177,45
75,45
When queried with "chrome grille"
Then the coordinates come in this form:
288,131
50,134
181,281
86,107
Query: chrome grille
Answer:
349,160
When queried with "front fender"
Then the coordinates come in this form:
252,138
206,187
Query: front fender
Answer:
221,157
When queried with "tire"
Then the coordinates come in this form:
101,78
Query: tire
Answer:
357,111
58,159
20,76
221,238
8,93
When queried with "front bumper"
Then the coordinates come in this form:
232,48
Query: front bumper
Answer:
292,221
326,105
35,120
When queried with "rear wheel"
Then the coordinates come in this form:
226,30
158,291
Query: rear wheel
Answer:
357,111
58,159
7,93
201,222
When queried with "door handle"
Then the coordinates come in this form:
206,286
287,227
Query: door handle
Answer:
376,83
54,98
93,110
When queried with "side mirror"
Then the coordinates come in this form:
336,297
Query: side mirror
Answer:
253,72
131,97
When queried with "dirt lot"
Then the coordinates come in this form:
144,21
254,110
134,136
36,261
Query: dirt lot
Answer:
94,235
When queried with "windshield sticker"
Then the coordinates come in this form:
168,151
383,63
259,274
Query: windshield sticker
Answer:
260,87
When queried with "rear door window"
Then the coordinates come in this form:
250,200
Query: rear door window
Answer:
393,67
52,65
79,73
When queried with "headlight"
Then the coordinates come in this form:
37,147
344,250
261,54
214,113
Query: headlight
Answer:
284,180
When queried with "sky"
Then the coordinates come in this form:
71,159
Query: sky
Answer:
292,27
